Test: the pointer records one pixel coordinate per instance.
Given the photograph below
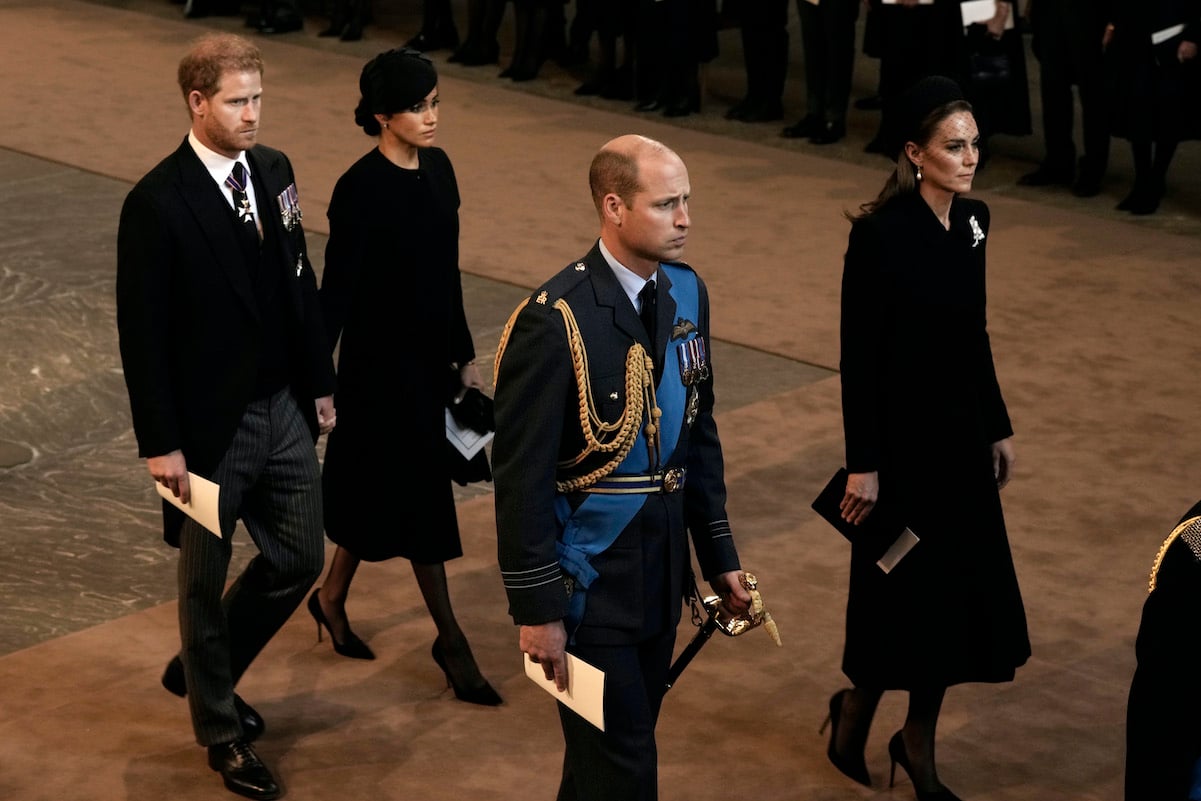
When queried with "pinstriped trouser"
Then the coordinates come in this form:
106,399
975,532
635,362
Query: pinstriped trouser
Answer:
271,480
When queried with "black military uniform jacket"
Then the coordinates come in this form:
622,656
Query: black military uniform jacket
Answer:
643,575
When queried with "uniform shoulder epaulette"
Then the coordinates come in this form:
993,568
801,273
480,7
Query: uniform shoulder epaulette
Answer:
560,284
541,301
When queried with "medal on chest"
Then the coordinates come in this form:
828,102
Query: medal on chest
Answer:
694,368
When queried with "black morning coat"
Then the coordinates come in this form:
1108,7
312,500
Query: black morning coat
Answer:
191,331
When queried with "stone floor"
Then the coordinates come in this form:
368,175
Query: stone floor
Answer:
1092,319
62,571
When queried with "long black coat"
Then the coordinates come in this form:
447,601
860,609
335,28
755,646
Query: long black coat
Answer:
392,291
921,405
1152,96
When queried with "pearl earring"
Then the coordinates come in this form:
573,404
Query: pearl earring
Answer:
918,174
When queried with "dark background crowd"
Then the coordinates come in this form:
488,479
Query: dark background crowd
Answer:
1063,77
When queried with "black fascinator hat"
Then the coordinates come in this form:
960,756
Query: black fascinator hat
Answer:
391,82
904,117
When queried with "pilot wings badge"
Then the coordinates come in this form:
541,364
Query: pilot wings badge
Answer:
682,328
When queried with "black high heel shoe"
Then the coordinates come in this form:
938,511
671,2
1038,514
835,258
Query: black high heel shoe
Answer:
353,648
856,770
898,755
483,695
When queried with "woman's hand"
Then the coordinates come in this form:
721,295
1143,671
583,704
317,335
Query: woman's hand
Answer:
470,378
862,491
1003,458
327,416
996,25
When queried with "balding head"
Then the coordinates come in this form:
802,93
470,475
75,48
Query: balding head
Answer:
641,190
615,168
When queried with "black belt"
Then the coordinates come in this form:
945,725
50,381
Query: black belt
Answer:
668,481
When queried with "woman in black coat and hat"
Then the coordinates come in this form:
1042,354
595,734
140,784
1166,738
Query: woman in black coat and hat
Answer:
928,433
392,292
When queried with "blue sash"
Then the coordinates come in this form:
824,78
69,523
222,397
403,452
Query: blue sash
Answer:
596,523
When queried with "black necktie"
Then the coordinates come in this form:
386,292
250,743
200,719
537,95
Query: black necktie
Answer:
647,297
237,185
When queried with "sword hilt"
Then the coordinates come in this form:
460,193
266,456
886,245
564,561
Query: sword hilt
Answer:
715,620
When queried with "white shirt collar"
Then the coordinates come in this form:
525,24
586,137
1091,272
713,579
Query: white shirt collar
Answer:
630,281
219,167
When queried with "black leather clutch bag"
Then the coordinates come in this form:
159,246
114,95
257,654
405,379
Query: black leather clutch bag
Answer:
988,60
475,411
878,532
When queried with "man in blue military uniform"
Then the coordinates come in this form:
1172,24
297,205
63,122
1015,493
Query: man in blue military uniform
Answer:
606,454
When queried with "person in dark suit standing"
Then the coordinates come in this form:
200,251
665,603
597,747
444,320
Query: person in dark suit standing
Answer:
672,39
276,16
989,61
763,29
912,44
828,41
230,377
606,454
1153,81
1067,43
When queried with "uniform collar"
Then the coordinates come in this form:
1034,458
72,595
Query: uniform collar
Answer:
631,282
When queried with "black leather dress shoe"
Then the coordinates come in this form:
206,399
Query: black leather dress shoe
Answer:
1145,197
620,86
650,105
1048,175
244,773
682,106
253,724
440,39
806,127
196,9
591,87
828,134
475,54
735,111
281,23
1090,175
762,111
1087,185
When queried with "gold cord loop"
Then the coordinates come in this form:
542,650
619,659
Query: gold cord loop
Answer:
1191,527
618,437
